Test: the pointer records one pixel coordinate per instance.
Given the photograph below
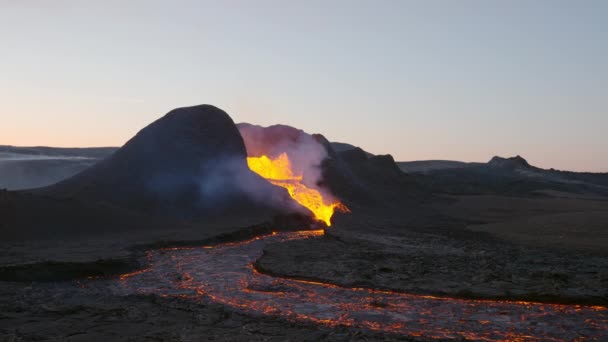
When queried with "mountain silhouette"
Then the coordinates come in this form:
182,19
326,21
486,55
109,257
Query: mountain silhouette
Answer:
189,163
512,163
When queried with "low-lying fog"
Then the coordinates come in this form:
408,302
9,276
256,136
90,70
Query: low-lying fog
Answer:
7,156
20,171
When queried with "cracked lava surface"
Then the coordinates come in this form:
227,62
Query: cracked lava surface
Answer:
225,274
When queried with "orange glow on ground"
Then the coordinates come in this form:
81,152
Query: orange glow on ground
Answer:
226,274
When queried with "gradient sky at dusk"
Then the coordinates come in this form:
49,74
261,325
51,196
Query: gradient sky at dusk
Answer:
460,80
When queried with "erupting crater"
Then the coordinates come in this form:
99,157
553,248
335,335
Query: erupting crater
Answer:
278,171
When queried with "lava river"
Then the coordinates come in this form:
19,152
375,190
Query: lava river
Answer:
225,274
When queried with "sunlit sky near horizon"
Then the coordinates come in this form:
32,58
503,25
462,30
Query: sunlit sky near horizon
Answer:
458,80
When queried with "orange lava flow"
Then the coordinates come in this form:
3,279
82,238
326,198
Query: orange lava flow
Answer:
226,274
278,171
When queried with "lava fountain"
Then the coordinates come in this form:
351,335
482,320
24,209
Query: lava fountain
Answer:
278,171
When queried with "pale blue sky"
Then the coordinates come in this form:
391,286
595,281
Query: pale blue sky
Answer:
462,80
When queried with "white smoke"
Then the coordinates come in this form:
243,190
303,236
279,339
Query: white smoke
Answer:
305,152
227,179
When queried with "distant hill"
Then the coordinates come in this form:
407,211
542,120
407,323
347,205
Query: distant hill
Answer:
419,166
512,175
423,166
44,151
341,147
512,163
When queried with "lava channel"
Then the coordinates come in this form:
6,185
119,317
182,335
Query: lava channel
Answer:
224,274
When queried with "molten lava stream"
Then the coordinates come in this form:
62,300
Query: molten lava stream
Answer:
279,172
224,274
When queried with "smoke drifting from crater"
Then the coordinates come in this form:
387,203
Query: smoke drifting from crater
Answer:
228,179
305,153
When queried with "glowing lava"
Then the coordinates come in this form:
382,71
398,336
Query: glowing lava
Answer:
226,274
278,171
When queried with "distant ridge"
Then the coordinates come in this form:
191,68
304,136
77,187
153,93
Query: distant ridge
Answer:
341,147
33,167
87,152
511,175
423,166
516,162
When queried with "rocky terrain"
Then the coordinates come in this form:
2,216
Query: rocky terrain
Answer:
503,230
498,233
457,263
66,312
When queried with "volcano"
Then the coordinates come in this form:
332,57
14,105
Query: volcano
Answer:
195,209
191,163
290,158
194,165
347,178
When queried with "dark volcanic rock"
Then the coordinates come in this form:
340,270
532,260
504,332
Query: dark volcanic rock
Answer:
341,147
189,163
272,140
361,179
512,163
356,155
354,176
